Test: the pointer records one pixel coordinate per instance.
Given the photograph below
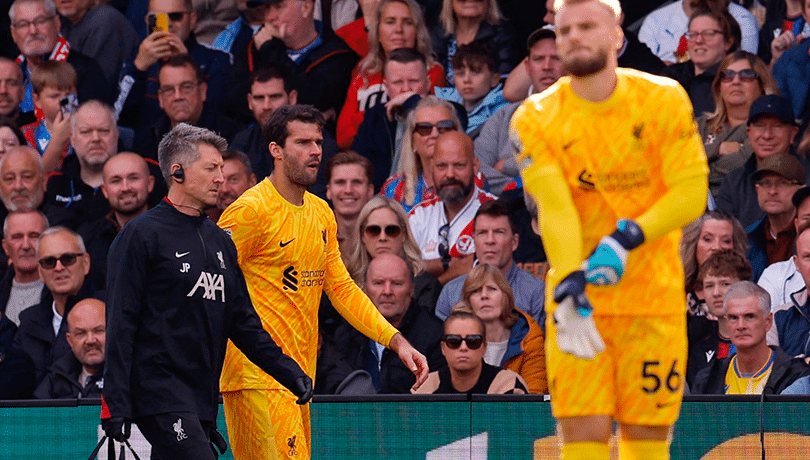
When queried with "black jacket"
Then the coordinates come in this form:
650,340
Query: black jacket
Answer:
499,38
147,137
786,369
637,55
62,381
98,235
16,368
5,288
423,330
699,87
175,296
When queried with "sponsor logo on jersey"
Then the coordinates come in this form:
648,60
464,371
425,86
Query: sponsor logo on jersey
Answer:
285,243
289,280
178,428
221,260
292,279
709,355
291,445
464,243
181,254
211,284
586,180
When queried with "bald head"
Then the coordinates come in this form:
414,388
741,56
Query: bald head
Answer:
87,333
22,180
454,168
127,183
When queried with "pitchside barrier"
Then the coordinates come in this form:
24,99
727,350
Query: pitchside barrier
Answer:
433,428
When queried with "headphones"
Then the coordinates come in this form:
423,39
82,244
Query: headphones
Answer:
179,174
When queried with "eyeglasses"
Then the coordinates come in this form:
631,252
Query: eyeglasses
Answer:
49,263
185,89
705,35
453,341
390,230
37,22
444,243
424,128
744,74
779,184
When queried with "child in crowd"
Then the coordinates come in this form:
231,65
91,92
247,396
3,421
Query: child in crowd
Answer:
54,95
477,84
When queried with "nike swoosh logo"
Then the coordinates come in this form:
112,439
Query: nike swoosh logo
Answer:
183,254
282,243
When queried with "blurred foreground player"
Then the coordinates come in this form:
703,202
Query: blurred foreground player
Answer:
288,250
611,152
175,296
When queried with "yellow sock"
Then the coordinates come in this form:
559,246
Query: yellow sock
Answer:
643,450
585,451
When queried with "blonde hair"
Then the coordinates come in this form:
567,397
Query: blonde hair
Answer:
476,279
359,258
689,240
447,17
614,5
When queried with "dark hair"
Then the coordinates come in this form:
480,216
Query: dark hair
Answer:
275,128
184,60
466,315
405,56
497,208
542,33
726,262
350,157
8,123
728,26
476,55
240,156
278,71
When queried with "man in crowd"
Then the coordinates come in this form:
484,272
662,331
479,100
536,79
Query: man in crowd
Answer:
496,239
348,187
443,226
238,173
791,325
12,93
80,374
755,368
21,287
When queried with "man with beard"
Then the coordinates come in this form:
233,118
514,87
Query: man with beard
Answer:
443,226
239,176
79,375
279,221
12,92
639,189
126,184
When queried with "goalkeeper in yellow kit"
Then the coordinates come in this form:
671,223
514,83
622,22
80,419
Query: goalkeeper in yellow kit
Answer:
616,166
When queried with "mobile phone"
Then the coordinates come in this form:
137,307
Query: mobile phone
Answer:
157,22
68,104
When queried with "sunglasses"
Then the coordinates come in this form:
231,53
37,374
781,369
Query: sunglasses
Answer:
744,74
390,230
176,15
424,128
49,263
453,341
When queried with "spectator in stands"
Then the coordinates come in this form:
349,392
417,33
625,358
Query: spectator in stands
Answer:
782,279
755,368
463,22
79,374
771,130
784,23
99,31
771,239
10,136
493,147
12,93
125,185
791,69
711,232
464,345
63,266
183,96
389,284
710,37
348,187
42,43
741,78
414,182
54,84
236,36
664,30
238,174
399,24
21,286
16,367
323,62
270,88
496,239
709,333
442,226
514,339
138,86
791,323
477,83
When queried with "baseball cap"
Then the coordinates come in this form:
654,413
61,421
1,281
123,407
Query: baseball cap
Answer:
800,196
784,164
772,104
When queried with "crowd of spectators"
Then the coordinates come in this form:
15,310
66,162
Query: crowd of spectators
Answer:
416,162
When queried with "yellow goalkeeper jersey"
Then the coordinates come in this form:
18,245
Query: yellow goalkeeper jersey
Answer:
636,155
289,255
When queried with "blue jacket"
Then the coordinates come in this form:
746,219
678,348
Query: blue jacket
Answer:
792,73
791,325
756,247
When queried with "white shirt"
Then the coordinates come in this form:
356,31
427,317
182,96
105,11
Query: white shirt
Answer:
56,322
495,352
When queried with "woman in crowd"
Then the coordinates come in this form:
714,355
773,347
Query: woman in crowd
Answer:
741,78
465,21
399,24
514,339
711,232
10,136
710,37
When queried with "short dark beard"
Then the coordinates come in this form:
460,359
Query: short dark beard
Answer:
298,177
454,195
586,68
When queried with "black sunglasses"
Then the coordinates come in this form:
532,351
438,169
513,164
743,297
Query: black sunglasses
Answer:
424,128
176,15
745,75
391,230
453,341
48,263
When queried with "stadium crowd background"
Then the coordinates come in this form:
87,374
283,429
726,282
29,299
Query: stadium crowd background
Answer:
417,162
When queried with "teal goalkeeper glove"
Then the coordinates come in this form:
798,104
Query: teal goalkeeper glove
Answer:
573,319
606,264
